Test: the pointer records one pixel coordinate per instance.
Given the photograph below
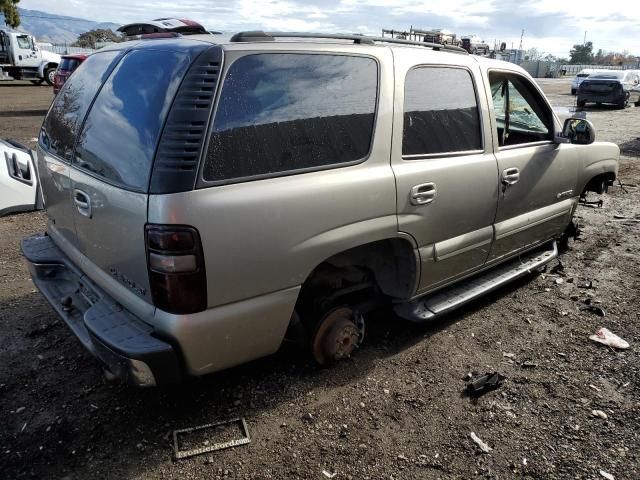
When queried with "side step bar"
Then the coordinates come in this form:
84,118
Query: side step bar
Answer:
434,305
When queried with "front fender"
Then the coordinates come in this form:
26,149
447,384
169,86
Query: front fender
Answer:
597,159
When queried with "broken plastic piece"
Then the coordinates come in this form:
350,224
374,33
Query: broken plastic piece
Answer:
606,337
606,475
484,383
245,439
483,446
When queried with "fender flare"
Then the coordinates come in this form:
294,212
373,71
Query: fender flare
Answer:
43,66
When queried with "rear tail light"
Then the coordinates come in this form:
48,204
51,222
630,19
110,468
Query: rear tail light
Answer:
176,268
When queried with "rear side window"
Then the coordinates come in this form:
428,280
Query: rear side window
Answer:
69,64
440,112
290,112
120,133
63,121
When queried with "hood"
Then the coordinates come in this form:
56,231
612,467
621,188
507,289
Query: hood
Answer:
51,57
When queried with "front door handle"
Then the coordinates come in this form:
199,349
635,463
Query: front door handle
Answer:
423,193
510,176
83,203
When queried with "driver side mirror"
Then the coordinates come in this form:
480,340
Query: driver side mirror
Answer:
578,131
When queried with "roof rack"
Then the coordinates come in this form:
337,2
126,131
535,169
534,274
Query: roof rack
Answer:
260,36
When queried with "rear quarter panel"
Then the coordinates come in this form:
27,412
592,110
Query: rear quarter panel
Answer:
267,235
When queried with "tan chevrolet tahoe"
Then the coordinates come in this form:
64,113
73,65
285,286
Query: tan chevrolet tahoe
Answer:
208,201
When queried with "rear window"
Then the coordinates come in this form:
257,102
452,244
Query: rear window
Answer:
70,105
120,134
292,112
69,64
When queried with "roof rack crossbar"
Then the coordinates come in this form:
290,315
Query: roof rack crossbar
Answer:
358,39
333,36
435,46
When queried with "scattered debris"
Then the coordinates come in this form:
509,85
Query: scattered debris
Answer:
329,474
559,281
588,284
509,355
307,417
626,385
20,409
597,309
529,364
479,385
483,446
594,387
600,413
606,337
179,454
606,475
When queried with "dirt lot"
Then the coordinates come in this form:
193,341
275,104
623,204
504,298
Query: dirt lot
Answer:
395,410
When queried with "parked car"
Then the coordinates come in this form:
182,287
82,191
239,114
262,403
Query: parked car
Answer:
19,190
575,83
67,66
161,27
613,87
209,201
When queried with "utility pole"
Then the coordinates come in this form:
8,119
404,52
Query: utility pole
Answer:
584,42
521,35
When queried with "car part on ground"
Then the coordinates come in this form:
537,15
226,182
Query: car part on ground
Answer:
207,445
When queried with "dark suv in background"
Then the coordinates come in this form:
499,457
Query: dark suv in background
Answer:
614,87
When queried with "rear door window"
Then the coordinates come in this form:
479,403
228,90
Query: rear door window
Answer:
63,121
282,113
441,112
120,134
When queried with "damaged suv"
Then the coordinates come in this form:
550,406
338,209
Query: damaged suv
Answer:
208,201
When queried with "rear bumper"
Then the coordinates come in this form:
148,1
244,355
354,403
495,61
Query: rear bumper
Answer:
604,97
126,346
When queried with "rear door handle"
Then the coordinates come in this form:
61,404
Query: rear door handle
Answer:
83,203
510,176
423,193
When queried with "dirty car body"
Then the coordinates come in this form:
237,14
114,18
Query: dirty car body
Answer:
615,87
277,189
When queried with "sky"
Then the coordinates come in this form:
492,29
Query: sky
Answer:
550,26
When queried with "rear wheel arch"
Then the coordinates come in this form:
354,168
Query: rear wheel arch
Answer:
391,263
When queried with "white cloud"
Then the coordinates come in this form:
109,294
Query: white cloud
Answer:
550,25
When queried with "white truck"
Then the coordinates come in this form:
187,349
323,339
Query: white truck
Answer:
22,59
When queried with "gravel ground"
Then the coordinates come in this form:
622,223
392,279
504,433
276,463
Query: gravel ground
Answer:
394,410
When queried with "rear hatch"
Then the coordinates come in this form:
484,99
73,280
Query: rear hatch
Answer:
114,132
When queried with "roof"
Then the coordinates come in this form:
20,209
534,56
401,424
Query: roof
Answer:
77,56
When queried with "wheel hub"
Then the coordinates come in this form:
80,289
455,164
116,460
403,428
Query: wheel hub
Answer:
336,337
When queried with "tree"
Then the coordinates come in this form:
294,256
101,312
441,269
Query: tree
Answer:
90,38
582,54
10,10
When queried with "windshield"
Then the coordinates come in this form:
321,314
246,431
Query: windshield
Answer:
24,41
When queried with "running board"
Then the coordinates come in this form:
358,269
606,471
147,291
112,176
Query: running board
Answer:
434,305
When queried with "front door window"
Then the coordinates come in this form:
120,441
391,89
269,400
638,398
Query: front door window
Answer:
521,115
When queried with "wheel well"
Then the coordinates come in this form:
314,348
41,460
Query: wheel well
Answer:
388,265
600,183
